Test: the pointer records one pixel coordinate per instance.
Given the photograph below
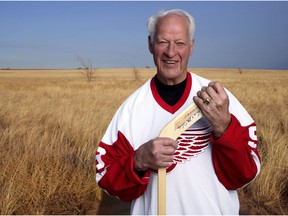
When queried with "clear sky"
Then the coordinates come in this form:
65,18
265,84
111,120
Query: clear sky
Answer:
113,34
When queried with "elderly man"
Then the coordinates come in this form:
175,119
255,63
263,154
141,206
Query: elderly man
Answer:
207,163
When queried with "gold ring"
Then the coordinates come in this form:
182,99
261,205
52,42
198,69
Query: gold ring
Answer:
207,101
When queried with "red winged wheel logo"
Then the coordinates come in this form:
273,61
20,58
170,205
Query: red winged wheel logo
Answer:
191,143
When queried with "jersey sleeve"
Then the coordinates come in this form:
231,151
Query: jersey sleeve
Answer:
115,172
235,157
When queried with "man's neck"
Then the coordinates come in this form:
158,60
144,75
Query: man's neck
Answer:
171,94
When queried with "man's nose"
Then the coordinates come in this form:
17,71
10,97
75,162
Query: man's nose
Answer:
171,50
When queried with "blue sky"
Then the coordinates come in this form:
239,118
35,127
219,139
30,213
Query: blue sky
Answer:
113,34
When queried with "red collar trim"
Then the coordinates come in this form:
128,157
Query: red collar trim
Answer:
179,104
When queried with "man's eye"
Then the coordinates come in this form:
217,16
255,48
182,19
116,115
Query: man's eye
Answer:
180,43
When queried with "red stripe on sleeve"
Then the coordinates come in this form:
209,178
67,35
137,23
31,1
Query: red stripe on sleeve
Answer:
117,167
232,156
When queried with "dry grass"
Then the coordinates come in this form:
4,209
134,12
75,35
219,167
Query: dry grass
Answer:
52,121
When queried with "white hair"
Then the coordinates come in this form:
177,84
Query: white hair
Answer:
152,21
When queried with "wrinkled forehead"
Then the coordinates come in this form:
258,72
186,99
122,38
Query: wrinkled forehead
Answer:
172,23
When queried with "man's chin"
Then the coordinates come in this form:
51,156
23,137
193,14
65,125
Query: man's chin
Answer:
172,72
172,76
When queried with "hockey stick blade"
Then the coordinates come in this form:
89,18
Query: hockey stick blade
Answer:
173,130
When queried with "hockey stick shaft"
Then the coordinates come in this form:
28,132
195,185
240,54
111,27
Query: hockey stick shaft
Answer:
173,130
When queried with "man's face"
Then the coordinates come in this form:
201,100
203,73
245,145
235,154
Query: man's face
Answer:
171,49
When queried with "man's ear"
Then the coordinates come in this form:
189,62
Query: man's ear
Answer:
150,46
191,47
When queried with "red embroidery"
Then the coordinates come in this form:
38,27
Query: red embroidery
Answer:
192,142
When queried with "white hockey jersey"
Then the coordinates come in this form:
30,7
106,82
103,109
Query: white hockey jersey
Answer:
206,172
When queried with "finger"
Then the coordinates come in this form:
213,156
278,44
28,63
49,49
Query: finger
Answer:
204,88
169,142
199,102
222,94
219,89
207,93
204,99
203,94
212,93
164,147
163,165
168,151
167,158
164,161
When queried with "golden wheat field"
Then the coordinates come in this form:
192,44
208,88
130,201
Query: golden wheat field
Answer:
51,122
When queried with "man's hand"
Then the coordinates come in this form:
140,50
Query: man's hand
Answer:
214,103
156,153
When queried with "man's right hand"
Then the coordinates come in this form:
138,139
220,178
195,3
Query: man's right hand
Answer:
155,154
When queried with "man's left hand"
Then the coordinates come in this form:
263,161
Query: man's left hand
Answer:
214,103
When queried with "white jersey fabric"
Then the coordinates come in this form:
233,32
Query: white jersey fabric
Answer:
206,172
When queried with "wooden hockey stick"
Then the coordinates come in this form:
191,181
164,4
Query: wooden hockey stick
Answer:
173,130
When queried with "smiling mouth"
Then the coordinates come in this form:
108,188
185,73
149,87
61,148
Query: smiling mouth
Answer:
170,61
